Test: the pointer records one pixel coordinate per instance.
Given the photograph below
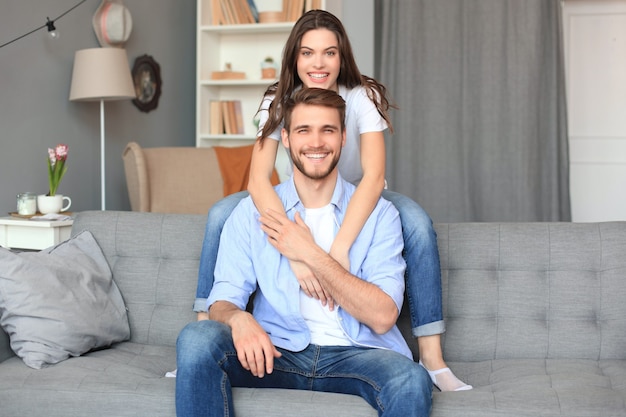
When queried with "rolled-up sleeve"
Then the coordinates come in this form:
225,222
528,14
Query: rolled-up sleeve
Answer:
378,252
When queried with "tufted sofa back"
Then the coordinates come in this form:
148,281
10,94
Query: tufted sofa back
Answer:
154,258
534,290
510,290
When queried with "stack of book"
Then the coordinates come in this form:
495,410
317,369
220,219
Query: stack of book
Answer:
226,117
293,9
235,12
232,12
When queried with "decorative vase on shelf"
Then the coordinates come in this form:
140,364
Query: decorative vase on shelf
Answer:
53,203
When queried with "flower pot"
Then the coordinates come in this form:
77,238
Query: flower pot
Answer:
268,73
52,203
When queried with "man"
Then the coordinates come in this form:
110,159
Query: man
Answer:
291,340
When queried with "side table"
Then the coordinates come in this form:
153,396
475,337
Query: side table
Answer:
16,233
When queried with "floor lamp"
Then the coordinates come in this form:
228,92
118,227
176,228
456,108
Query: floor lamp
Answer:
101,74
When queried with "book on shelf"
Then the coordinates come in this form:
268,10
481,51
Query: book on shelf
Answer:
225,117
216,121
253,10
238,116
312,5
232,12
244,12
293,9
228,12
216,13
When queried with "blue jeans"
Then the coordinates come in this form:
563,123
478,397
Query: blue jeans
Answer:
208,368
423,274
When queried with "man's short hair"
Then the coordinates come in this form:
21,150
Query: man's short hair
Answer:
315,97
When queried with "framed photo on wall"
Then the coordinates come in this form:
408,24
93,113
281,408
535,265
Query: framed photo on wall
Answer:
147,80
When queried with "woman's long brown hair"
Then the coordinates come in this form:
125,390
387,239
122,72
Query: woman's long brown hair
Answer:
349,74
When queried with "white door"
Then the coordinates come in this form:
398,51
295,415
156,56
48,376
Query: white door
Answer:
595,61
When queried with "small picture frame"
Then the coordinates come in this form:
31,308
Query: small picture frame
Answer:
147,80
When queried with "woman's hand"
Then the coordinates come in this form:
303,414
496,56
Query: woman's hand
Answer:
310,284
293,240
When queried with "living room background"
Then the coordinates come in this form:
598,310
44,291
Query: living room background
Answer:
35,112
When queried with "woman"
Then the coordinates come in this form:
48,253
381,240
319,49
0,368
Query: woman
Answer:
318,54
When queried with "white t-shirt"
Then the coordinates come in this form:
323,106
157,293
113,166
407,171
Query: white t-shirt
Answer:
361,117
323,323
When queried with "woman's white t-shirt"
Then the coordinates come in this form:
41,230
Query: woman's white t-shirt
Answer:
361,117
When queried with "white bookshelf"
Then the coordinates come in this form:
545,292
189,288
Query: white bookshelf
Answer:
244,47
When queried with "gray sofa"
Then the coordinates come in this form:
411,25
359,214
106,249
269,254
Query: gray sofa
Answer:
535,313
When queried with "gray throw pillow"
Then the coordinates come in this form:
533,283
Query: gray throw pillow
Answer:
60,302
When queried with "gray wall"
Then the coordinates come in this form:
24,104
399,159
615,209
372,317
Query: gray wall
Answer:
35,75
35,113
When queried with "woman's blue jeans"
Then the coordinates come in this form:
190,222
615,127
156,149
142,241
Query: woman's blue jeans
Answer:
207,369
423,273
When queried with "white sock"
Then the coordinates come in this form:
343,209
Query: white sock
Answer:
445,380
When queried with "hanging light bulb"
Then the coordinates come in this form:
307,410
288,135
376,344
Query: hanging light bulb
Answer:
52,31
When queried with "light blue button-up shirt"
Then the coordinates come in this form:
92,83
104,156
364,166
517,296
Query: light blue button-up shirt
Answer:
247,262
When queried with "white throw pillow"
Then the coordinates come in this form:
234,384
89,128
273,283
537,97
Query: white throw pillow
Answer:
60,302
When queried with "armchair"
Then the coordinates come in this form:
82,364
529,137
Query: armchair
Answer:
176,179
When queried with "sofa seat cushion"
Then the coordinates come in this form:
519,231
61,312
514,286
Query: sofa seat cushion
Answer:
126,380
533,387
272,402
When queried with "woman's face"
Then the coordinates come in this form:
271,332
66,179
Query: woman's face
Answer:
319,62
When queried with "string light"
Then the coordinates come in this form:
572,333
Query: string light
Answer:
52,31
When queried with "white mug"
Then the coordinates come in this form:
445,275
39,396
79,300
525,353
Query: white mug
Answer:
52,203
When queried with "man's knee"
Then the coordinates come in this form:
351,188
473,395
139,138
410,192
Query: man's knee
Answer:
411,379
200,340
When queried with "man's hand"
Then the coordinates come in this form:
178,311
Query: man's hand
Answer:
293,240
255,350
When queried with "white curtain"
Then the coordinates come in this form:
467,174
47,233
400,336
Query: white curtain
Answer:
481,132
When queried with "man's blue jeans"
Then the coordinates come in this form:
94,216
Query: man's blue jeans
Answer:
208,368
423,274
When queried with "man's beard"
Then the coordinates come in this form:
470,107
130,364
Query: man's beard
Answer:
316,175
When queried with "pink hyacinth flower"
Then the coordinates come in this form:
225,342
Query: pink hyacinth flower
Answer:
61,151
52,156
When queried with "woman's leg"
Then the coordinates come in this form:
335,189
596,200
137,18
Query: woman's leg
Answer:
423,273
215,222
423,288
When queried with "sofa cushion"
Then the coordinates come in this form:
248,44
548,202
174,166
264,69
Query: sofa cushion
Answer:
154,259
536,387
60,302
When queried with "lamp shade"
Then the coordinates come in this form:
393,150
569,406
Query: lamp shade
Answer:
101,74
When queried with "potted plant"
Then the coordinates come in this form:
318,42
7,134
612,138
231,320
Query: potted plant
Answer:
268,68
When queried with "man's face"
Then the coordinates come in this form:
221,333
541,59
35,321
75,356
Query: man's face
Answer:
315,140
